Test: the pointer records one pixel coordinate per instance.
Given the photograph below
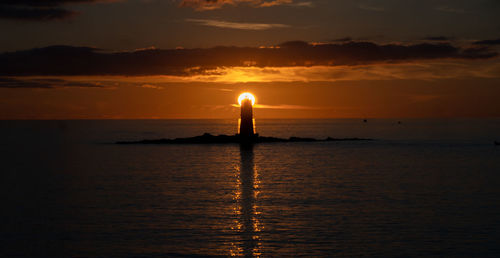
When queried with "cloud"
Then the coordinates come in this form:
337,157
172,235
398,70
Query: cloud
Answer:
371,8
438,38
237,25
429,70
303,4
272,3
284,106
35,14
289,107
345,39
151,86
206,5
73,61
45,83
488,42
33,10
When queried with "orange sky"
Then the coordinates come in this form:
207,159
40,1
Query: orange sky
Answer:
465,97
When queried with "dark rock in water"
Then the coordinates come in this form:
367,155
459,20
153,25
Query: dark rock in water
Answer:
212,139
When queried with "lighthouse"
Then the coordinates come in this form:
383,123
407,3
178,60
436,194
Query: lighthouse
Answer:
246,123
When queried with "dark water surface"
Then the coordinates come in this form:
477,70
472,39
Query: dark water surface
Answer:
425,188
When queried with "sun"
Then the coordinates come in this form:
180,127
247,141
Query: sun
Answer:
246,95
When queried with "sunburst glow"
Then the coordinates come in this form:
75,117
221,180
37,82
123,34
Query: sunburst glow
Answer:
246,95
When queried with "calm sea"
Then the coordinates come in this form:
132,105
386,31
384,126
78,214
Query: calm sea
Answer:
423,188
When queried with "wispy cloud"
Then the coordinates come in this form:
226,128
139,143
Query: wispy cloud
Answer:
151,86
428,71
272,3
371,8
207,5
284,106
46,83
237,25
303,4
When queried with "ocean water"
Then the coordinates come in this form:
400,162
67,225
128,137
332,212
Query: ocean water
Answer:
422,188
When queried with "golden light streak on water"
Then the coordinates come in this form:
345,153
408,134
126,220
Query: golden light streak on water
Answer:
247,225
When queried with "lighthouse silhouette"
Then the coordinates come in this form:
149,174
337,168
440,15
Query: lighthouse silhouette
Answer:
246,120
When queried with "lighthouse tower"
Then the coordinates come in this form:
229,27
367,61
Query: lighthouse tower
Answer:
246,120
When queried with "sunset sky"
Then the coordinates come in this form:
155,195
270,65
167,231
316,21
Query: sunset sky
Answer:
129,59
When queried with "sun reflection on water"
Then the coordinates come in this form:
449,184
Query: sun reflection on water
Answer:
246,225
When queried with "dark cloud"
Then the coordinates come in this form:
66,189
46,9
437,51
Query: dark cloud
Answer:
50,83
488,42
295,44
476,53
346,39
39,10
67,60
35,14
438,38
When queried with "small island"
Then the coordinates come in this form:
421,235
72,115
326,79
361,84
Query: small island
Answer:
222,139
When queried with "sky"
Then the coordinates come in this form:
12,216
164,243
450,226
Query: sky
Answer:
183,59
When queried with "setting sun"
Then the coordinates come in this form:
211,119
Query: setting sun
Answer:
246,95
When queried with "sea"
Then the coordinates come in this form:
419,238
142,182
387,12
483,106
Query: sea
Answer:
420,188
